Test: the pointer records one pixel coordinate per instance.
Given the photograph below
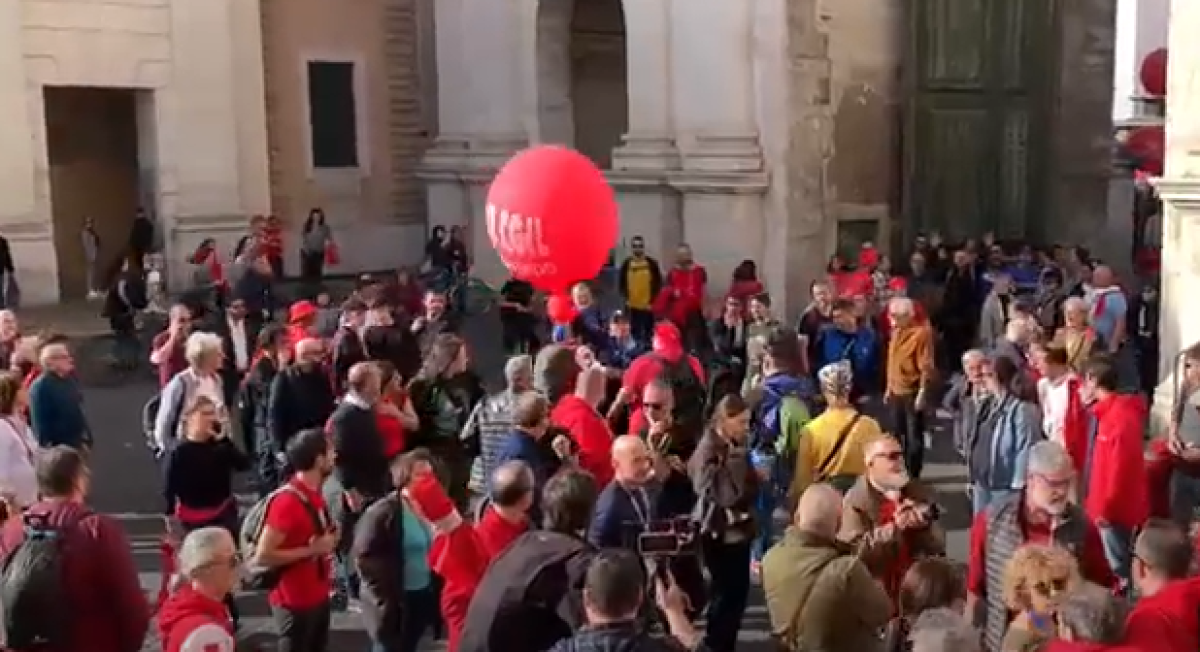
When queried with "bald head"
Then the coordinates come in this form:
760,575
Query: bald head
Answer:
592,385
631,460
309,348
512,484
364,380
820,511
1102,276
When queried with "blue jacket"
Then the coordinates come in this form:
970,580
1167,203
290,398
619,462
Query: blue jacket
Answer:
619,355
861,348
591,327
1015,429
616,520
56,411
519,445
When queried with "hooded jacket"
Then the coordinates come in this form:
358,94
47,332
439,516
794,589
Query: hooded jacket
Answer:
1116,492
192,622
667,344
591,434
780,420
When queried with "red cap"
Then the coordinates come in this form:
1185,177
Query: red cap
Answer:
897,284
301,310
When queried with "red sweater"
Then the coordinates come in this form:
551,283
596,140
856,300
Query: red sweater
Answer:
495,532
1168,621
682,295
1117,483
591,434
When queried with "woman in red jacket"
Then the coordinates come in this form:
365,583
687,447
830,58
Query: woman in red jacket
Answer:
394,414
578,415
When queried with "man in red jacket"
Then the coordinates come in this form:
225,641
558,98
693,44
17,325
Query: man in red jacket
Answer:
578,416
1166,618
104,601
682,297
666,347
1116,492
194,618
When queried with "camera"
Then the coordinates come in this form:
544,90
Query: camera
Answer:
667,538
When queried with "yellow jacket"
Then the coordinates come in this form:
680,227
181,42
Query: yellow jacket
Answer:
819,438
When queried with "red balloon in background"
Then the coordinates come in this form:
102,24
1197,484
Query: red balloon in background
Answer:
1149,146
1153,73
560,309
552,217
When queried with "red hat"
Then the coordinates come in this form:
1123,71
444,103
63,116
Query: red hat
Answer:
430,498
665,330
897,284
301,310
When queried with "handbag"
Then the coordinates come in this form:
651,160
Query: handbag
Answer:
333,256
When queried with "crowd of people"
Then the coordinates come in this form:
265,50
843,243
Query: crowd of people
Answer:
627,479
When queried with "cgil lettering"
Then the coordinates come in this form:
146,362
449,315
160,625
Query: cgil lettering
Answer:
517,237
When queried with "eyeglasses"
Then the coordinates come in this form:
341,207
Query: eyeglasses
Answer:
1051,587
1057,483
891,456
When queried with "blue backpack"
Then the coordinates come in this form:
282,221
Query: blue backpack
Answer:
769,418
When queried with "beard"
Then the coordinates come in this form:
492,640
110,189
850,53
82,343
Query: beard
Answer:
894,481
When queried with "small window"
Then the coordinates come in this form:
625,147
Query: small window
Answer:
332,118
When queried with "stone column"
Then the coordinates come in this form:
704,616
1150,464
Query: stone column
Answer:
722,177
24,220
1179,327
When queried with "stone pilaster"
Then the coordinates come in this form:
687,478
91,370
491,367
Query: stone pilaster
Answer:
649,146
1179,327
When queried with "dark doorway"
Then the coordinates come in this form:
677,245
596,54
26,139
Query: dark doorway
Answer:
91,135
599,89
979,99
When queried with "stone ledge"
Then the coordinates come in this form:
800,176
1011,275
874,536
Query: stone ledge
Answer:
720,183
1179,192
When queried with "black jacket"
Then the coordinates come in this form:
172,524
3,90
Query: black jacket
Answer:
379,559
255,397
531,596
299,400
395,345
348,350
617,637
360,464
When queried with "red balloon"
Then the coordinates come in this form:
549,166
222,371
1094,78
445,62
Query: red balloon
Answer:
1148,145
552,217
1154,73
560,309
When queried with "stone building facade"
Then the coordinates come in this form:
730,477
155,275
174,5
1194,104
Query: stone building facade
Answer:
772,130
185,76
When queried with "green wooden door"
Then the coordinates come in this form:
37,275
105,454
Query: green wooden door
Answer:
979,77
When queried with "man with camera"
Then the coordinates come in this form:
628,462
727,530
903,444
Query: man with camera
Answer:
889,517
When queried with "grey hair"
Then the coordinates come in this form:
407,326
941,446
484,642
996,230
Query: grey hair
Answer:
943,630
200,344
1074,304
201,547
1094,615
50,351
516,367
901,305
1047,457
973,355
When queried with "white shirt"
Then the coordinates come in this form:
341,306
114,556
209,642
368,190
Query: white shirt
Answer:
1055,400
18,449
241,348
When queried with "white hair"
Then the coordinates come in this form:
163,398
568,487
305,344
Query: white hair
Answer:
1074,304
203,546
518,366
1048,458
200,344
1016,330
974,355
901,306
943,630
50,351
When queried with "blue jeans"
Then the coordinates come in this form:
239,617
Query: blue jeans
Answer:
764,514
981,496
1185,498
1118,549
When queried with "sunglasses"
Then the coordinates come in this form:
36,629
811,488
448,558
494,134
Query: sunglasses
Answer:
891,456
1054,586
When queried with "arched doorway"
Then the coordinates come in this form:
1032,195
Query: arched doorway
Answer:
581,75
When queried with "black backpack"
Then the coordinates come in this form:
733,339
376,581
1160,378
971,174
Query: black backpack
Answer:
537,579
36,612
690,394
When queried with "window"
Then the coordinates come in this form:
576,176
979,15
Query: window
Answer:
332,118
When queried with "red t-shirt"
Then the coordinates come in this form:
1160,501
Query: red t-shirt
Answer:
893,575
391,432
305,584
1092,562
495,532
174,363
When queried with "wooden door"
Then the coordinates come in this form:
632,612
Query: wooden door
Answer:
979,81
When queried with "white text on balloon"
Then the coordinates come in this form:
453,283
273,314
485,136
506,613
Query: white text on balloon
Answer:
516,237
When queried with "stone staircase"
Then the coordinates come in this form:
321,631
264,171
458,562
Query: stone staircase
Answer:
408,117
